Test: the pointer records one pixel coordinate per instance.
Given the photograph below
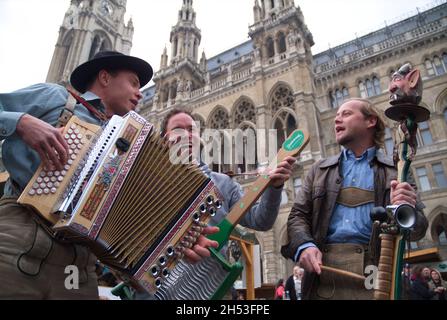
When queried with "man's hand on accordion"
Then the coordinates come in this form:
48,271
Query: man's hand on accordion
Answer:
46,140
200,249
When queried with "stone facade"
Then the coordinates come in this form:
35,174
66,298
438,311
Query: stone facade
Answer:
89,27
273,81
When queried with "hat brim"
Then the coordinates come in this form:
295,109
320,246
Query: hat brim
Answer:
83,74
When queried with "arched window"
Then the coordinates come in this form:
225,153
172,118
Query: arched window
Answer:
245,111
285,124
439,66
333,100
245,149
270,47
338,97
429,67
377,89
220,121
95,46
442,238
100,43
281,42
362,90
370,88
272,4
282,98
436,66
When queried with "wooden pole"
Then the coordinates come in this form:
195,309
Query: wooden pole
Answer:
247,248
247,251
343,273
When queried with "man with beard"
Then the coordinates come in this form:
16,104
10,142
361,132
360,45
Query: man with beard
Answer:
330,221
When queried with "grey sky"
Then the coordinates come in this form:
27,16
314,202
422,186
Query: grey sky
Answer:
29,28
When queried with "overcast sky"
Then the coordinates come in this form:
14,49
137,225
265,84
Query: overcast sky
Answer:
29,28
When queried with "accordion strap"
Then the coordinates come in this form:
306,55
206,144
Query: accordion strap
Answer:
67,113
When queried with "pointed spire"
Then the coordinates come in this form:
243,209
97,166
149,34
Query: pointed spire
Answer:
203,62
164,58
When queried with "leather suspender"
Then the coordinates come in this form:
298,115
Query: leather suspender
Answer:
67,113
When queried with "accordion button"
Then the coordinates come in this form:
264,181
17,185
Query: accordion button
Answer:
70,161
73,146
50,174
67,167
70,151
57,173
53,190
60,179
46,191
32,192
46,179
77,131
73,136
76,141
70,141
67,136
63,173
43,174
57,184
80,136
70,131
76,151
39,191
39,180
53,179
43,185
50,185
35,185
73,157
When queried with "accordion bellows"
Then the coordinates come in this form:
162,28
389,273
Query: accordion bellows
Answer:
122,196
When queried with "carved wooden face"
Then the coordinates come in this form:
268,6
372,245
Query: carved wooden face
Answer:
406,87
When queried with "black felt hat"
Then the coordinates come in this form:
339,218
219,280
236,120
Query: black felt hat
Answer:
109,60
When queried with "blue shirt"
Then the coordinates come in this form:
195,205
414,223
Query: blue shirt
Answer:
44,101
351,225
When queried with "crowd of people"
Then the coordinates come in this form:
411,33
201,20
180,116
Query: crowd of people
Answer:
423,283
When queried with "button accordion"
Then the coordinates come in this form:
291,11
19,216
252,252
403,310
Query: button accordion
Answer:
120,194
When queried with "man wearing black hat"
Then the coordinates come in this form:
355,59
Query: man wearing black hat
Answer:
32,264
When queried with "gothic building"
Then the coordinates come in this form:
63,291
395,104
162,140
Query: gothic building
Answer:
89,26
274,81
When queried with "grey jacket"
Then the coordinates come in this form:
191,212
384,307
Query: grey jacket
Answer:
261,216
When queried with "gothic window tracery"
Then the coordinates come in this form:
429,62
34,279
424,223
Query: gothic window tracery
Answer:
245,111
220,119
282,97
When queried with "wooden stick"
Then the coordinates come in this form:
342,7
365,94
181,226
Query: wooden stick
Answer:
343,273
